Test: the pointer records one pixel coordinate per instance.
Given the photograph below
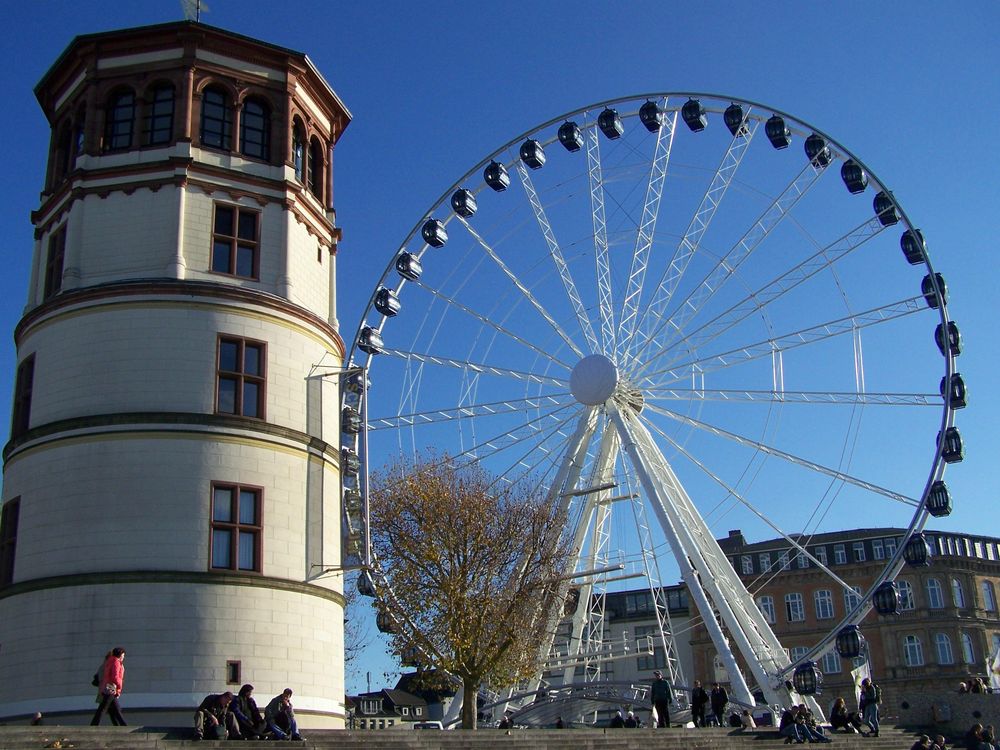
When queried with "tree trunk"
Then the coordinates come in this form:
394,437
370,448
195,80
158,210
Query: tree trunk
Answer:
470,691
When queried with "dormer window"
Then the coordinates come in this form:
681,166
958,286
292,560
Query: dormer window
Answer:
119,122
216,120
159,122
255,130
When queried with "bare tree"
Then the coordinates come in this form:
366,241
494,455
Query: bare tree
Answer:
472,565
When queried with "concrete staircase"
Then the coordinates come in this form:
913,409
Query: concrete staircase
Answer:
144,738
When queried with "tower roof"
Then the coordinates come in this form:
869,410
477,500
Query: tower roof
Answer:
82,53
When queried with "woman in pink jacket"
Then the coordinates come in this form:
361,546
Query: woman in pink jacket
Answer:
111,677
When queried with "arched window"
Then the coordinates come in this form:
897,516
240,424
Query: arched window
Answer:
957,593
255,130
61,159
935,596
766,606
905,595
298,152
80,134
913,651
216,119
159,121
968,652
120,116
989,597
315,168
944,652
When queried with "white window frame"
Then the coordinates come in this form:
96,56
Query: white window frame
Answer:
968,649
878,550
823,600
820,554
764,560
765,604
957,593
746,564
852,598
906,601
839,554
989,596
795,610
830,663
913,651
935,594
801,560
859,551
945,653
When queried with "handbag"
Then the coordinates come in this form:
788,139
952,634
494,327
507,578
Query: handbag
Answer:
110,689
96,681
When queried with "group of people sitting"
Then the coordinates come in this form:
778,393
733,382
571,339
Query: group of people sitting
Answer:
974,685
924,743
225,716
798,724
981,738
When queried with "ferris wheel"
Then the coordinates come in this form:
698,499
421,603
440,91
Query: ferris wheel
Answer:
677,315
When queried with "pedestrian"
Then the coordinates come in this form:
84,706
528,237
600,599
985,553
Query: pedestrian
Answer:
719,698
662,696
871,697
36,720
617,721
923,743
699,699
630,721
939,743
559,723
111,678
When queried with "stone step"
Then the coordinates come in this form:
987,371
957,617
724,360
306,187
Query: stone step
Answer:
149,738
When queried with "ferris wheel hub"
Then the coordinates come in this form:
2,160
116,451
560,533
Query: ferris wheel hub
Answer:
593,380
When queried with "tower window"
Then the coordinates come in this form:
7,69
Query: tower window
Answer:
216,120
119,123
255,130
159,124
54,262
22,397
240,376
8,539
298,152
236,528
315,169
234,242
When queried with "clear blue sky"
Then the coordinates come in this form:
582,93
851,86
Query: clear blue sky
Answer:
910,87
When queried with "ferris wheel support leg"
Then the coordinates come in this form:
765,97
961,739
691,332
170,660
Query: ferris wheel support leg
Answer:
566,477
739,687
585,615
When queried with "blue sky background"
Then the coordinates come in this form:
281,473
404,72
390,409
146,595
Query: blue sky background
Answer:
910,87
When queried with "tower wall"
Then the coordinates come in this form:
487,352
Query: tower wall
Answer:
172,481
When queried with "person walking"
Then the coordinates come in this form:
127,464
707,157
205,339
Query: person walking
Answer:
662,696
871,697
719,698
699,699
110,682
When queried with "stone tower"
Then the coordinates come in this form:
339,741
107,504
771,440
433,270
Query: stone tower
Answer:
171,484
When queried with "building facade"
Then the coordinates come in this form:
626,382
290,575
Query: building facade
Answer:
948,625
172,479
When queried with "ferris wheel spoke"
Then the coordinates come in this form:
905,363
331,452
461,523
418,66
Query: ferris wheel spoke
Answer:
549,455
507,439
784,342
476,367
647,229
733,492
729,263
696,229
492,408
521,287
555,252
488,321
605,297
849,398
778,287
784,455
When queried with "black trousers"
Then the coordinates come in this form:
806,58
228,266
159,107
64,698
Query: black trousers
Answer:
109,703
698,715
662,713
